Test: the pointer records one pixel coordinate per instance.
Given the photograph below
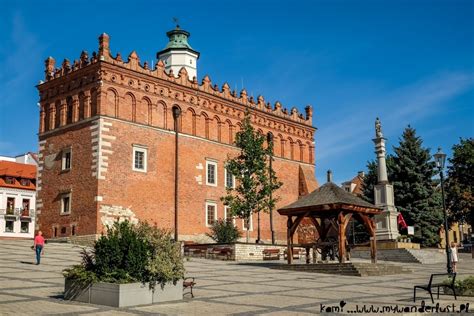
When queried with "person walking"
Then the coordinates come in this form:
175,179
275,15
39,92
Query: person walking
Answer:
454,256
39,246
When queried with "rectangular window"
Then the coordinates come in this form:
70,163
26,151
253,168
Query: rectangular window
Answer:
10,180
211,213
244,224
55,232
229,179
139,159
25,227
9,226
228,215
63,230
211,173
73,230
25,210
66,203
66,159
10,205
25,182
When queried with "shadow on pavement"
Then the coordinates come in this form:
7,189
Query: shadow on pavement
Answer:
27,262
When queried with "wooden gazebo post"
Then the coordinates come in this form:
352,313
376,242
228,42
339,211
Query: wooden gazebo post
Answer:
289,241
342,221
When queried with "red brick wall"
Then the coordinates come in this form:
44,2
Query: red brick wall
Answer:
78,180
150,195
130,105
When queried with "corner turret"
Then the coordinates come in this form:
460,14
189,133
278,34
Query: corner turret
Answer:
178,53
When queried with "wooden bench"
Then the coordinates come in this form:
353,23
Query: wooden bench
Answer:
217,252
437,281
271,254
296,253
195,251
189,283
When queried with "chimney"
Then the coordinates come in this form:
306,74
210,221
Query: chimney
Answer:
104,49
361,174
329,176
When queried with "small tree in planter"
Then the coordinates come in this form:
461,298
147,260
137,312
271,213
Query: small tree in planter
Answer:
128,254
224,231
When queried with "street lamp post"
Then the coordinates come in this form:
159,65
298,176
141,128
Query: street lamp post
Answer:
440,159
270,142
176,113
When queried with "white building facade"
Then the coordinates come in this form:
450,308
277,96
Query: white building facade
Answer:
17,198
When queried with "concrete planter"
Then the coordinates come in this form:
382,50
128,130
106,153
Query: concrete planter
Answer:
121,295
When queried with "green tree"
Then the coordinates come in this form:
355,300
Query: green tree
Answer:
370,180
411,173
224,231
254,181
460,182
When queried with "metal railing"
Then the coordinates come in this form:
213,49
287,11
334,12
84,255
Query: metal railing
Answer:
17,212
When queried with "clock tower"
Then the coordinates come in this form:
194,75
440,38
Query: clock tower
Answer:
178,53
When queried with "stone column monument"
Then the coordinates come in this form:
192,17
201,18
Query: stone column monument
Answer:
387,228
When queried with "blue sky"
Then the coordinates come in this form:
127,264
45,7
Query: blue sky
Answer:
408,62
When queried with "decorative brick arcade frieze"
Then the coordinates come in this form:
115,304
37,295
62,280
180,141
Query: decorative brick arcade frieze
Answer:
109,86
101,147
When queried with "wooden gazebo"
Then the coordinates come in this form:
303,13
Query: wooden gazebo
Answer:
330,206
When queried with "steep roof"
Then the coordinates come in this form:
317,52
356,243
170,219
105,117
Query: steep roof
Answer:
328,196
358,180
17,170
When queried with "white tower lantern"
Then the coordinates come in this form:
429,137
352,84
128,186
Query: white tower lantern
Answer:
178,53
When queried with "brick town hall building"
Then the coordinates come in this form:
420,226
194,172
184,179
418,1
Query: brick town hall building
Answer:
107,144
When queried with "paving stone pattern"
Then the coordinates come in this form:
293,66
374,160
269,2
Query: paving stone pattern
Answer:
223,287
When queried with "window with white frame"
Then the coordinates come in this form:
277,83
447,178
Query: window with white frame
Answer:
229,179
211,213
66,203
66,159
228,215
139,158
211,173
244,224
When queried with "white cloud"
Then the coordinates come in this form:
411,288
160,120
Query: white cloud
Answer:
409,104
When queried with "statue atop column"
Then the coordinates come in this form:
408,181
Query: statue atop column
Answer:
387,226
378,128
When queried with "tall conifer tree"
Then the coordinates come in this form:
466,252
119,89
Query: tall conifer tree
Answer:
412,173
370,180
460,184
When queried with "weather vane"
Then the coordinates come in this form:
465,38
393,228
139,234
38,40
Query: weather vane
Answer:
176,21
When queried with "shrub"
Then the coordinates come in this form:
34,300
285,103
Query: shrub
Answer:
129,254
463,287
224,231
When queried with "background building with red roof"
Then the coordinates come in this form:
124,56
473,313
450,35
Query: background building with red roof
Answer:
18,196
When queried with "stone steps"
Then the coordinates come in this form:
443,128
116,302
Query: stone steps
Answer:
396,255
349,269
425,256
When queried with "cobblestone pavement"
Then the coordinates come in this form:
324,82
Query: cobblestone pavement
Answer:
222,287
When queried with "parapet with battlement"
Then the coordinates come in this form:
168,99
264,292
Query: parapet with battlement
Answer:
133,63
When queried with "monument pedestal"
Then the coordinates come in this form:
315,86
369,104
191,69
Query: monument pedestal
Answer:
386,221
